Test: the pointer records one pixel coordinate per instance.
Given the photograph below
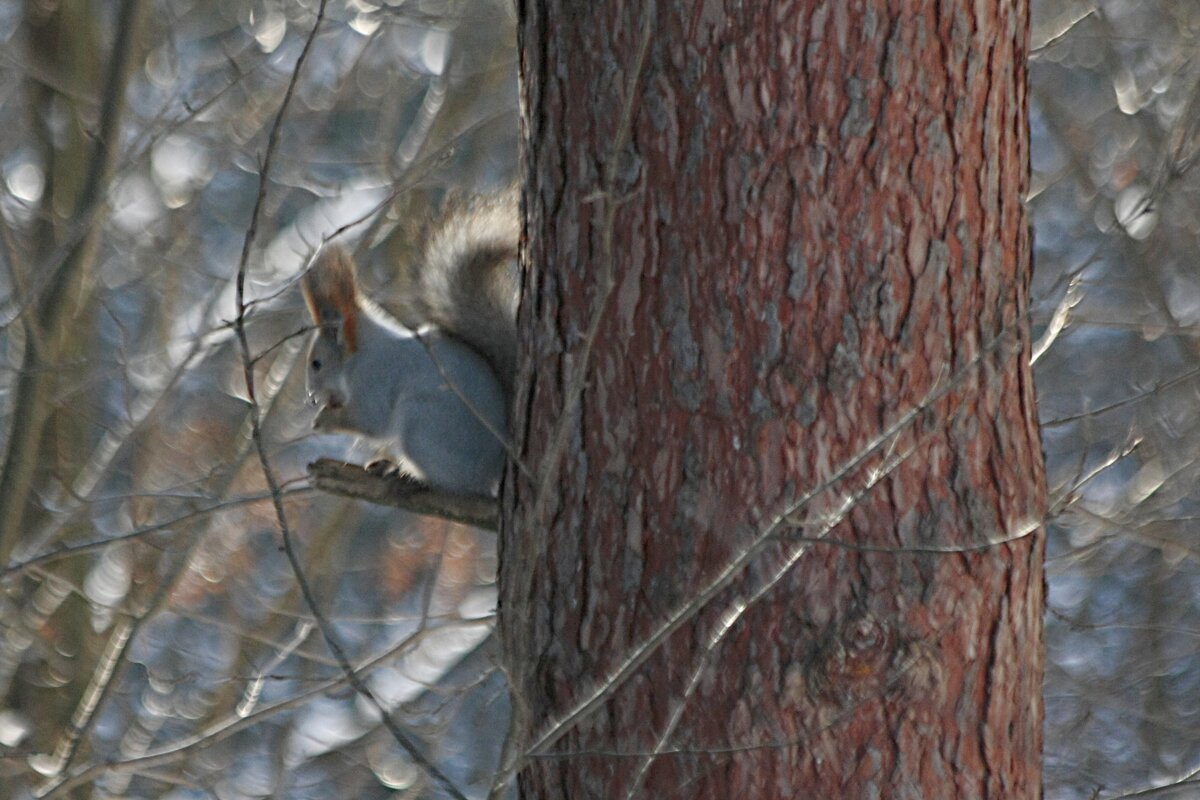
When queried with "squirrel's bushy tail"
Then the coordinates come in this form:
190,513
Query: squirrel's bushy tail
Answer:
467,282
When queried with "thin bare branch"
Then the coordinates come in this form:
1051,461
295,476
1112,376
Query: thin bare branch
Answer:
885,442
225,727
405,740
402,491
66,551
31,408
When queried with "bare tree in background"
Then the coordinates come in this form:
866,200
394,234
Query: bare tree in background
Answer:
155,640
1116,111
782,538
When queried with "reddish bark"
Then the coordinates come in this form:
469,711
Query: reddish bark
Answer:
812,227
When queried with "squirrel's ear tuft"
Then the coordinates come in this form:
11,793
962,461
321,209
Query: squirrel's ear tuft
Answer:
331,291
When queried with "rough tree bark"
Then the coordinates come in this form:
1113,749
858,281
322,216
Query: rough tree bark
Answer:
777,531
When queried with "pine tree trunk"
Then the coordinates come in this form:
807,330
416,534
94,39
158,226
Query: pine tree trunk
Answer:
778,528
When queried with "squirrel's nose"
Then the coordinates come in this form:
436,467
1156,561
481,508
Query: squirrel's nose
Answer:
332,402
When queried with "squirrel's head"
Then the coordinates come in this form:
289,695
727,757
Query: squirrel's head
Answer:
331,291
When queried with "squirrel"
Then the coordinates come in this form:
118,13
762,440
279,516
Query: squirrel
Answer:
435,394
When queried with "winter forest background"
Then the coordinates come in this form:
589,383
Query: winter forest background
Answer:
153,642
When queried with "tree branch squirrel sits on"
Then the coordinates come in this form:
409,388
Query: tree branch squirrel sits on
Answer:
436,396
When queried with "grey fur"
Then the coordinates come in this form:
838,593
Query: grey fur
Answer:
436,398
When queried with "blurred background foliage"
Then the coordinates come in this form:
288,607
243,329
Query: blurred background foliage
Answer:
182,660
179,660
1115,105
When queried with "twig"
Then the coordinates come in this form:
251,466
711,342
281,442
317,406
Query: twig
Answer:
224,728
405,741
639,654
31,407
66,551
402,491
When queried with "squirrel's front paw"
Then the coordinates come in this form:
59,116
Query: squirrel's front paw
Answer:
383,468
402,482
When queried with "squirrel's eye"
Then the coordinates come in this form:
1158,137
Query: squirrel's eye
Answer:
316,364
